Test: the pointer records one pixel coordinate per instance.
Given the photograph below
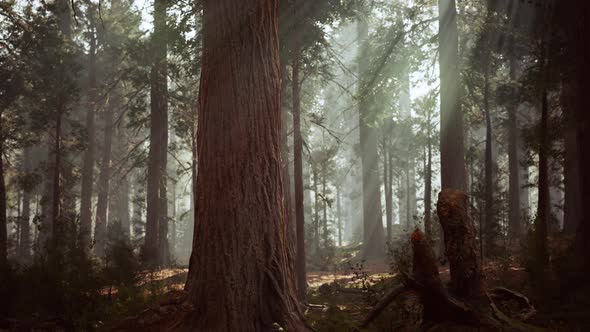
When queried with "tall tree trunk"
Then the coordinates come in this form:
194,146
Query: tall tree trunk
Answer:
514,208
290,218
25,230
452,150
3,206
428,186
339,215
572,175
102,204
373,234
55,185
119,198
163,246
387,188
325,235
154,243
582,53
173,217
316,211
240,222
300,266
489,231
89,154
543,211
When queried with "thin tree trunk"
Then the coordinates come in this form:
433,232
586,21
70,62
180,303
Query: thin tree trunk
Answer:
489,227
572,175
514,219
241,222
339,215
3,218
325,234
387,188
316,211
452,151
89,154
582,30
300,266
428,188
173,217
55,186
25,230
543,211
163,245
102,204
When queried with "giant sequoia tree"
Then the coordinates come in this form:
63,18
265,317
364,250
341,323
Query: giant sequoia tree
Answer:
452,149
156,241
240,278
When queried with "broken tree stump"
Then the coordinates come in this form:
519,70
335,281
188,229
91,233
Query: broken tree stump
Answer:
461,246
467,303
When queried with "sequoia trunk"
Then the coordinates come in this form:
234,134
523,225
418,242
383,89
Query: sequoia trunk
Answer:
452,151
241,279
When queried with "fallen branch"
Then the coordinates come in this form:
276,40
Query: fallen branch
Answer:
383,303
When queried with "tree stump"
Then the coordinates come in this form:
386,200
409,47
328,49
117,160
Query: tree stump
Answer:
461,246
467,304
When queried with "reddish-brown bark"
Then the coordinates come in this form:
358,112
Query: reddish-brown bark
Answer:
155,246
452,150
300,265
240,278
461,245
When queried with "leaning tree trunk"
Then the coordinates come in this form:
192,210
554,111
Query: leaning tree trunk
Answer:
373,234
102,204
452,151
241,278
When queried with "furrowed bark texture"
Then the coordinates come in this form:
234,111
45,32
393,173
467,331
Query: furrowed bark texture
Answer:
155,245
241,278
452,151
300,264
461,245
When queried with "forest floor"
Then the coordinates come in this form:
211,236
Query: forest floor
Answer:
340,300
